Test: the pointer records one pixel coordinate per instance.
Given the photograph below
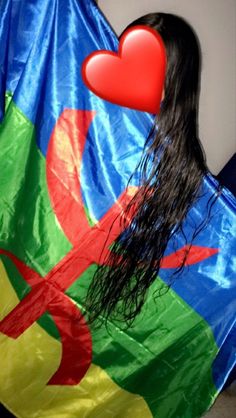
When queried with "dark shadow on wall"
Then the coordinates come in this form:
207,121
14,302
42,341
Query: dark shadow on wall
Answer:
5,413
227,176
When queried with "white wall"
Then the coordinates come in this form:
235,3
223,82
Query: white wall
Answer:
215,23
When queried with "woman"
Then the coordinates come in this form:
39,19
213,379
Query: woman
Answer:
167,190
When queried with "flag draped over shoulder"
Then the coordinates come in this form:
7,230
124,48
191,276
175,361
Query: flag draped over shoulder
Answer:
65,159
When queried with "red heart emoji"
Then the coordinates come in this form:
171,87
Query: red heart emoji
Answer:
133,77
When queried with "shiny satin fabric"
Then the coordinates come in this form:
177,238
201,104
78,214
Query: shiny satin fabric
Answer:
66,157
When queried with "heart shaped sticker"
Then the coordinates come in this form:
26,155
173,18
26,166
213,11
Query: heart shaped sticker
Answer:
133,77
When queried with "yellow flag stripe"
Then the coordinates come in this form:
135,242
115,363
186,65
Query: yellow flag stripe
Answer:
28,362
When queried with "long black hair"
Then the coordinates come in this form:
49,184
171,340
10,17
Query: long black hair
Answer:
167,190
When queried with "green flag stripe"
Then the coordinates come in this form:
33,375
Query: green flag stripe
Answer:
169,346
27,218
25,206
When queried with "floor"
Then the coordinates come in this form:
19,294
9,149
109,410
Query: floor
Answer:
225,405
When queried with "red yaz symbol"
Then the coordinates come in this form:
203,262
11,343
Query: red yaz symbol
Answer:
47,293
63,164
